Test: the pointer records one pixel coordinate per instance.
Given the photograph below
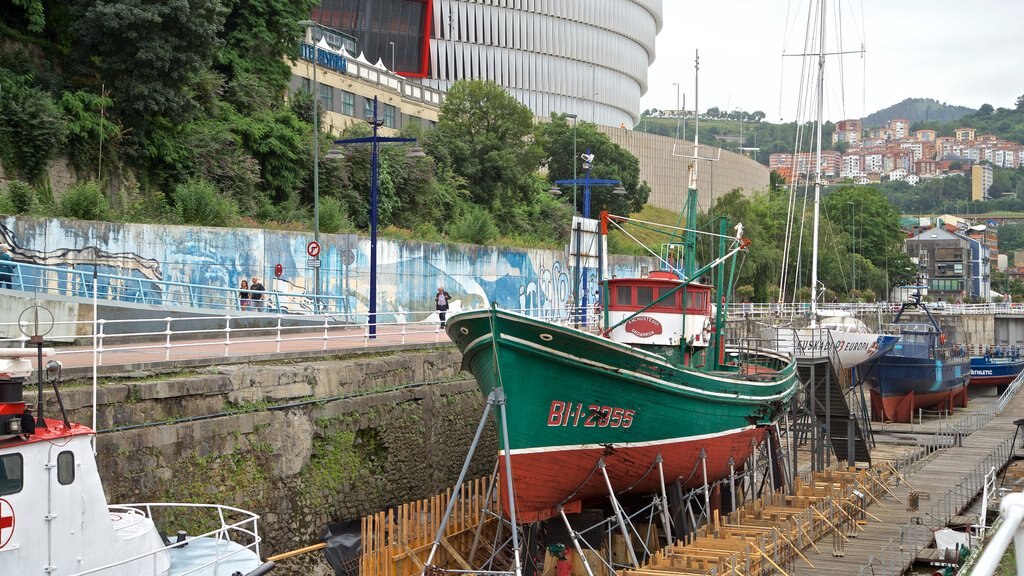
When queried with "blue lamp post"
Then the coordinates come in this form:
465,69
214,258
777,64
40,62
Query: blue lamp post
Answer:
375,141
587,182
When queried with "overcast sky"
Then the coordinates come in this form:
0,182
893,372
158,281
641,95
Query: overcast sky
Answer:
964,53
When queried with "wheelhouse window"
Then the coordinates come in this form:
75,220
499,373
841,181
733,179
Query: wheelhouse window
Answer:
12,474
66,467
623,295
644,295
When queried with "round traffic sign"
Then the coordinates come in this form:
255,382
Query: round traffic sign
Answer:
313,249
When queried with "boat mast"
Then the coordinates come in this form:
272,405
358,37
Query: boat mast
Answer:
817,177
690,236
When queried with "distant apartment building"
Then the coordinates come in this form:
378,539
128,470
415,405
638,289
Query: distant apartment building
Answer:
805,163
981,181
848,131
953,265
898,129
964,134
925,135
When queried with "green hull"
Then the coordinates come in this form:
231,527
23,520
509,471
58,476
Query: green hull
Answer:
573,399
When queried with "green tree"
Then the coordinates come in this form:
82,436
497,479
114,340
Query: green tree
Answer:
611,162
485,136
149,53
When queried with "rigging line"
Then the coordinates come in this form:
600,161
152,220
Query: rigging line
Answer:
657,224
802,97
842,70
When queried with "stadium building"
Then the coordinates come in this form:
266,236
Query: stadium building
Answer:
585,57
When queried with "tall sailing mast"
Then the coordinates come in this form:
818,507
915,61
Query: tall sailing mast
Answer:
817,175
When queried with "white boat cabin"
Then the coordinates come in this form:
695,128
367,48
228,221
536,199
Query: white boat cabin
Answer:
646,311
54,517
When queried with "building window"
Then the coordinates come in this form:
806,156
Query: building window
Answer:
327,96
66,467
12,475
348,103
368,109
305,85
389,116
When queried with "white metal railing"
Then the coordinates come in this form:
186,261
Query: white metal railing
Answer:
220,336
1011,515
244,532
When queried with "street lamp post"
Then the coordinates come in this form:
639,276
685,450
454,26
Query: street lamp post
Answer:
676,84
375,141
573,116
587,182
392,45
316,164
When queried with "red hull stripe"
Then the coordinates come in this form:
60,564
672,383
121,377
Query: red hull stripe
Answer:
543,480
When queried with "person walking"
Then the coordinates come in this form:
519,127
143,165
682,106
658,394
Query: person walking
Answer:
256,294
243,296
6,269
442,299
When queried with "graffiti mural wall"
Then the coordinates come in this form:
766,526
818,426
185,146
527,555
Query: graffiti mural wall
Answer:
167,261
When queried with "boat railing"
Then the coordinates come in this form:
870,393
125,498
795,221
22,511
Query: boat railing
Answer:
235,525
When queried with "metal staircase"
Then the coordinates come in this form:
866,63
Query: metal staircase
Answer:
827,409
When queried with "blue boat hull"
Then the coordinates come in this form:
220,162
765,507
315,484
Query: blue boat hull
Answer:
994,371
901,385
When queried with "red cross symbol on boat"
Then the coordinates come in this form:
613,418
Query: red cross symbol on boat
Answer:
6,522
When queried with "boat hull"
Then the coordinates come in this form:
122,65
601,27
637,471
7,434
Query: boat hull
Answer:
994,371
902,385
574,401
852,348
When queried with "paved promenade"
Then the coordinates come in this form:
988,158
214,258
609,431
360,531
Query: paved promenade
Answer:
179,353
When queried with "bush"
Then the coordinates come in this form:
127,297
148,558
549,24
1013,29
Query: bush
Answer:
197,203
21,196
474,225
333,218
84,201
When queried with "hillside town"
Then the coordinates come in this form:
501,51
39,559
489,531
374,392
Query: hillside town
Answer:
896,153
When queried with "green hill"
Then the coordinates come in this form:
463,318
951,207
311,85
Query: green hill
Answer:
917,110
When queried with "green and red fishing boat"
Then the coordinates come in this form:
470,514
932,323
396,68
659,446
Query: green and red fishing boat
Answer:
657,395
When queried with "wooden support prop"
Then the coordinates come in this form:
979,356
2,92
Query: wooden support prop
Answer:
839,505
458,558
886,488
872,516
289,554
900,476
793,546
830,525
770,561
873,497
808,536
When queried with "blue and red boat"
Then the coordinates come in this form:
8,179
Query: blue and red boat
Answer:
923,371
998,367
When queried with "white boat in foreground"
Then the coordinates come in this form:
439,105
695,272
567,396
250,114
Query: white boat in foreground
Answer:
54,517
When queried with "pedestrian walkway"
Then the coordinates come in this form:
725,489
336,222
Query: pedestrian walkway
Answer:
179,354
942,487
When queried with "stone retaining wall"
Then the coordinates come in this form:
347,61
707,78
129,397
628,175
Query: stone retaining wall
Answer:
301,443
